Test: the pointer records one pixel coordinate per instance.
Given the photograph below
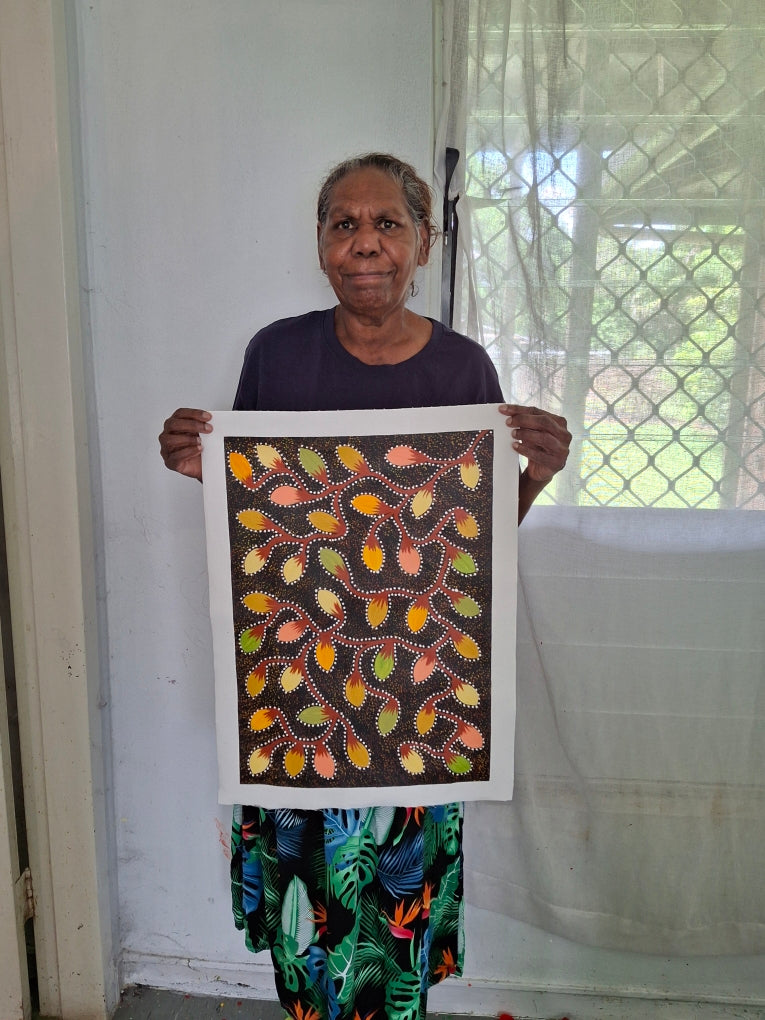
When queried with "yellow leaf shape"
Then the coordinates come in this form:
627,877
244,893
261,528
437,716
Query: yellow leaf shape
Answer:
355,691
292,569
416,617
256,681
411,760
372,554
262,719
325,653
425,719
254,561
466,693
259,602
254,520
357,752
241,468
367,504
291,678
294,760
422,502
351,458
377,610
329,602
466,646
259,761
269,457
325,522
470,473
465,523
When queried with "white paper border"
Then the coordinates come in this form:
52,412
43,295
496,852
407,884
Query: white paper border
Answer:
400,423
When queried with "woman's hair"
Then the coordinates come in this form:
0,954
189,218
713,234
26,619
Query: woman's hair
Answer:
417,194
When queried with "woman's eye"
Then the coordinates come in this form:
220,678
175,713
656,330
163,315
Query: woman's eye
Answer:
388,224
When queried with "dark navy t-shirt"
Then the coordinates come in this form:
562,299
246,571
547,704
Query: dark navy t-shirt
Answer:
298,364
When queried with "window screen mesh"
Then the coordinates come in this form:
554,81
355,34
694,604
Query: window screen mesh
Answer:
613,211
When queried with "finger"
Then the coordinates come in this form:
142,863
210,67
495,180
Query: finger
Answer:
188,420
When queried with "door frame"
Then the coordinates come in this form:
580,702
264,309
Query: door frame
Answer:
45,474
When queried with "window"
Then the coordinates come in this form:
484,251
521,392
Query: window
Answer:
613,210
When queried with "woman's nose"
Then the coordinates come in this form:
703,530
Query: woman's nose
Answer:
366,240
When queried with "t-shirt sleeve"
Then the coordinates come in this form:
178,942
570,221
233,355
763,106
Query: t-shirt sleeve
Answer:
246,398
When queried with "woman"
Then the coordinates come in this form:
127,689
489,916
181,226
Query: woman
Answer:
381,932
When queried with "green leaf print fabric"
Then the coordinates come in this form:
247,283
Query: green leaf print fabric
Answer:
361,909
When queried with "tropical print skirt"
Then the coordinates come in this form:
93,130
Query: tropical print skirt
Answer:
361,909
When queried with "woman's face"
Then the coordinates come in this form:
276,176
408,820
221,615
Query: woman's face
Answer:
369,246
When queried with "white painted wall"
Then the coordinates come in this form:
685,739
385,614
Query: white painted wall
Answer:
206,127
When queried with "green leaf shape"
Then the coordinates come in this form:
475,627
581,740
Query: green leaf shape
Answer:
402,996
341,967
380,823
250,639
383,665
466,606
459,765
387,719
293,968
332,561
314,715
297,915
313,463
353,867
464,563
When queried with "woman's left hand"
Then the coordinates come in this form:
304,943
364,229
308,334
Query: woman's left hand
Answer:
541,437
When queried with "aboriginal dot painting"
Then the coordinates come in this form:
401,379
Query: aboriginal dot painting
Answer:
362,617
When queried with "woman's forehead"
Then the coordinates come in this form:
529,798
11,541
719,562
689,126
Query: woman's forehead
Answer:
367,185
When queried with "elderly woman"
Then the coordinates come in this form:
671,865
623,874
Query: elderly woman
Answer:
388,925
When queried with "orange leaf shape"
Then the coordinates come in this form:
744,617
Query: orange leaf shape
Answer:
408,558
325,522
323,762
377,610
404,456
294,760
372,554
256,681
425,719
262,719
411,760
286,495
417,616
269,457
325,653
424,666
470,473
466,646
254,520
254,561
241,468
465,523
422,502
355,691
292,569
470,736
357,753
291,630
259,602
292,677
352,459
368,504
259,761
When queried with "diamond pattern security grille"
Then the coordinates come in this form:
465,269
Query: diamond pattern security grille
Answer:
615,193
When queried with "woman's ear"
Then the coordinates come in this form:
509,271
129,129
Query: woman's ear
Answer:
422,258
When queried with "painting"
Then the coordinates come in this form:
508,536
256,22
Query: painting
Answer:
362,574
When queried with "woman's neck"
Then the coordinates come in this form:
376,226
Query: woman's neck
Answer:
387,342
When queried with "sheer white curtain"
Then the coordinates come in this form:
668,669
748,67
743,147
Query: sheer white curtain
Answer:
612,191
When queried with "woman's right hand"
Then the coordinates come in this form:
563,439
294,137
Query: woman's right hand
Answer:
179,441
